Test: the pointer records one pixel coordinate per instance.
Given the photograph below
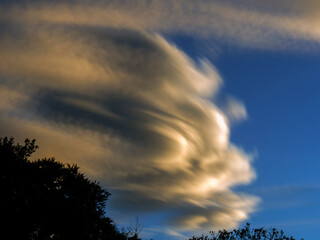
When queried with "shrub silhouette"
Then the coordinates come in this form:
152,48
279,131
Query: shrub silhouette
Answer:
246,233
45,199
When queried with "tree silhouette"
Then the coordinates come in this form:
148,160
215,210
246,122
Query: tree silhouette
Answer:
246,233
133,230
45,199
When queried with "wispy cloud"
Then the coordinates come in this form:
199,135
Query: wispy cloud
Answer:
258,24
126,105
235,110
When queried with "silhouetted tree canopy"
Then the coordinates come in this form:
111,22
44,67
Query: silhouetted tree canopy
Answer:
246,233
45,199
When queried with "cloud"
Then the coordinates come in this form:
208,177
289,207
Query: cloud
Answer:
235,110
130,108
255,24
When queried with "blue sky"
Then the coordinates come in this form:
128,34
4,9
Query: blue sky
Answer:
196,116
282,101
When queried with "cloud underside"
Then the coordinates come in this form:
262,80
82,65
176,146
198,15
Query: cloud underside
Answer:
131,109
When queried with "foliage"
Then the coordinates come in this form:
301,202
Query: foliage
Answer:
134,230
45,199
246,233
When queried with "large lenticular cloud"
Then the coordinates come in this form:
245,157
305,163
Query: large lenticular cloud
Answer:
133,111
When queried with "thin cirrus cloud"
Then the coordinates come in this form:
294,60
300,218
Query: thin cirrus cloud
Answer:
258,24
130,108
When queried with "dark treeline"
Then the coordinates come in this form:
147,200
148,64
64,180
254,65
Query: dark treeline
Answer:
246,233
45,199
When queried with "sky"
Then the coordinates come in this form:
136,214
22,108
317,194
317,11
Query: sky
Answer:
195,115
